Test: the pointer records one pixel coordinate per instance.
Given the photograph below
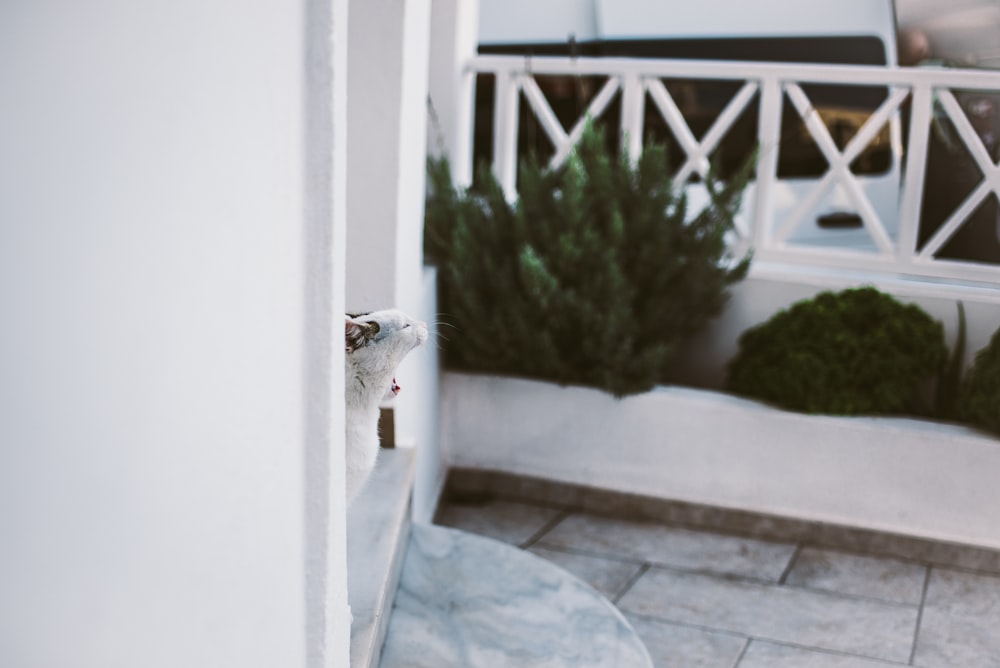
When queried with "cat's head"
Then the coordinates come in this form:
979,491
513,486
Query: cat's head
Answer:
388,334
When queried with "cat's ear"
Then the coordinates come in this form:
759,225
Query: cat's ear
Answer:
356,334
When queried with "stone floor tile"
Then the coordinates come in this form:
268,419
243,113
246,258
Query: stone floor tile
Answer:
875,577
608,576
762,654
669,546
824,621
673,646
508,521
961,621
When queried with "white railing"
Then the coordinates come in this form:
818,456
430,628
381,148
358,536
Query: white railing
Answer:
767,225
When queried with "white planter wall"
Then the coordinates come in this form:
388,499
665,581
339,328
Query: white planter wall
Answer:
902,476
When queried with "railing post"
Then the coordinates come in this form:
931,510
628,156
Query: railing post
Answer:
462,157
451,84
768,143
913,179
633,98
505,111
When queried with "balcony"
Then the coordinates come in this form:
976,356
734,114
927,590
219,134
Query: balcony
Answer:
839,505
793,220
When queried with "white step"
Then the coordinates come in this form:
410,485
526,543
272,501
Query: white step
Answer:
378,526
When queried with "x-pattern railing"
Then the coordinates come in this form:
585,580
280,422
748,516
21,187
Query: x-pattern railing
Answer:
989,168
771,83
840,164
697,152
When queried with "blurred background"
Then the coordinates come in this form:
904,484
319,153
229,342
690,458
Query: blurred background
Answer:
964,32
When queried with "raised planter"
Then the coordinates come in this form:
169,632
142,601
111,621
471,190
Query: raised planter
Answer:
902,476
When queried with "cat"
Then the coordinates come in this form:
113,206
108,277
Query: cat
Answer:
375,343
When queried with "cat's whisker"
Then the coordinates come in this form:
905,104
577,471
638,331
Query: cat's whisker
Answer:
442,318
438,325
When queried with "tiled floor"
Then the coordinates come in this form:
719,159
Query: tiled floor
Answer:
707,600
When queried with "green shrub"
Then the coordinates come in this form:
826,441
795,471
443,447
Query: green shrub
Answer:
858,351
592,277
980,397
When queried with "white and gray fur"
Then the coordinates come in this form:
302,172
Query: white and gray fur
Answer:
376,344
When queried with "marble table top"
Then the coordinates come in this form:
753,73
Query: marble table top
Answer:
473,602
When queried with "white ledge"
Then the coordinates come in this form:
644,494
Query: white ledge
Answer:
378,526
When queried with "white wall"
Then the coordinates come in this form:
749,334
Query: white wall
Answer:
417,409
152,306
374,111
899,476
387,113
410,188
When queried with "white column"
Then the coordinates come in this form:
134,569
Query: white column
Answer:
412,153
328,619
340,630
375,57
154,399
454,41
387,111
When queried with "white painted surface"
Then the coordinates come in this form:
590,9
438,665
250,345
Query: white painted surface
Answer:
328,615
417,408
412,152
338,629
903,476
379,530
153,407
373,113
454,39
387,114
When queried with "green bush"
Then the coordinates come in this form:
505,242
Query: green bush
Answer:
592,277
980,397
854,352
